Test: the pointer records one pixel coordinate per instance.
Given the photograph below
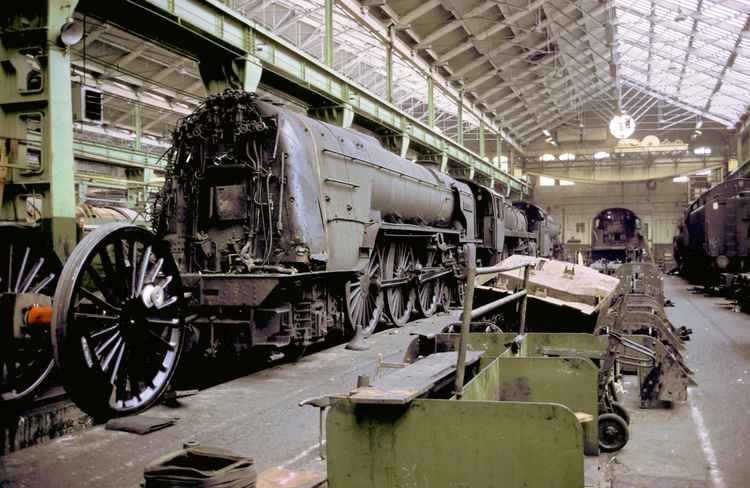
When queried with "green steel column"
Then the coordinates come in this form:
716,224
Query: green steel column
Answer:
138,123
328,34
430,101
389,65
499,149
460,117
241,72
511,169
60,208
481,138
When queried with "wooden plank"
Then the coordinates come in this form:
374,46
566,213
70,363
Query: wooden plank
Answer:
413,381
584,417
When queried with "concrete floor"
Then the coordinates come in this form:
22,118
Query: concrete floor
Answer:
256,416
719,354
703,443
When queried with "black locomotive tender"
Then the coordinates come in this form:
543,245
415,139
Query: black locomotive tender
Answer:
712,244
272,230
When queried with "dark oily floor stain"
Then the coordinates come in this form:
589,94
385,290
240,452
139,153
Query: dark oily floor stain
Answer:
639,481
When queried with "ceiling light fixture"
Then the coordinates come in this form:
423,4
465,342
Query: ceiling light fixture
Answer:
71,33
622,126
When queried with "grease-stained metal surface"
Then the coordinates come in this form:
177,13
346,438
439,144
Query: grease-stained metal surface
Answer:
528,375
451,444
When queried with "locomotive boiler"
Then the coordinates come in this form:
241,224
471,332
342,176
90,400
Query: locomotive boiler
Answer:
714,236
273,231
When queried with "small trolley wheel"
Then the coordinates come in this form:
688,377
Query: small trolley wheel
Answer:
364,299
28,274
619,409
613,432
399,300
118,315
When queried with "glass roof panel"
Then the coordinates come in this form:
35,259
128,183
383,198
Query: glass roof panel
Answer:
690,46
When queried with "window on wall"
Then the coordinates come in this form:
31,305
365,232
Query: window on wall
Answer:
580,228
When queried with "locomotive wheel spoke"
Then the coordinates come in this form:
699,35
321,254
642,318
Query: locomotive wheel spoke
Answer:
400,300
428,292
364,299
136,342
26,266
95,299
100,284
163,322
105,331
161,340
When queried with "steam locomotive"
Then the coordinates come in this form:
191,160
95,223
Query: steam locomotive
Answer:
616,236
273,230
712,242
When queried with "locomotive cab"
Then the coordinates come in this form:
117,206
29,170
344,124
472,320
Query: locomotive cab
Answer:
489,221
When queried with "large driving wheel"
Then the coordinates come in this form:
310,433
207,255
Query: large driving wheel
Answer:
28,274
118,319
429,292
400,299
364,300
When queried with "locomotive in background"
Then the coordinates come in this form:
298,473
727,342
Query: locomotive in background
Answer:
713,239
616,236
616,239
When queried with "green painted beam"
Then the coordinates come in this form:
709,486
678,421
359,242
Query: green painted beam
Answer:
104,153
220,28
389,65
482,147
328,34
460,117
430,102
